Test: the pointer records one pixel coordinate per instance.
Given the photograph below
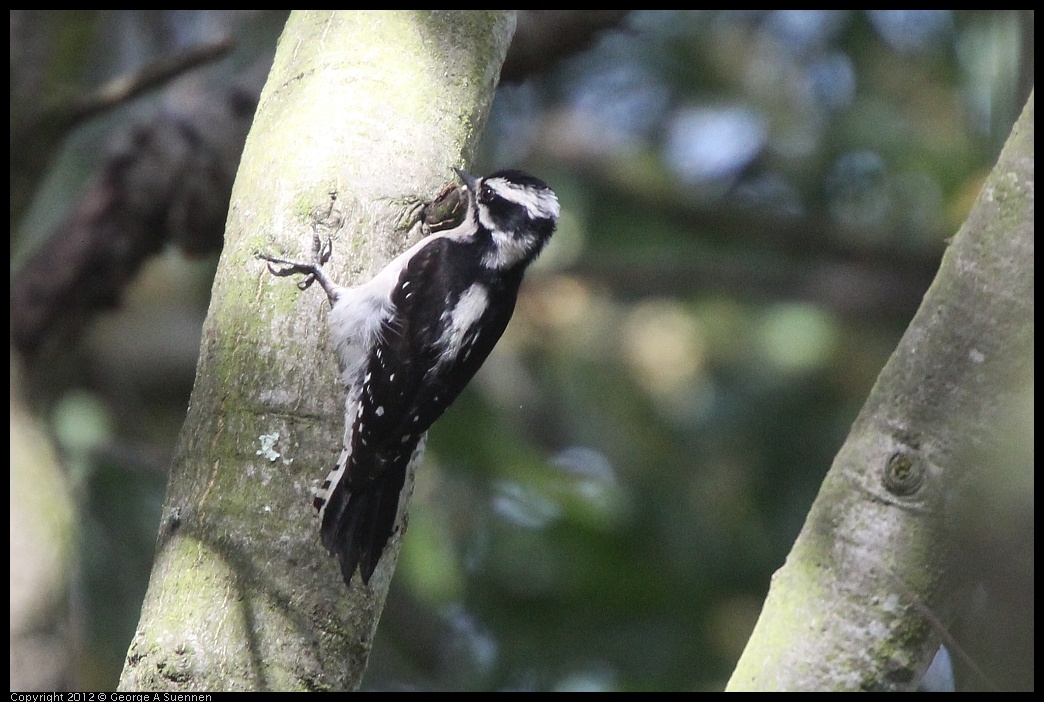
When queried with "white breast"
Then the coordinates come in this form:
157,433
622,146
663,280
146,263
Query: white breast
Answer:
355,321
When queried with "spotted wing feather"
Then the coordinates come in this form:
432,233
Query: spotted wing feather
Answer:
422,362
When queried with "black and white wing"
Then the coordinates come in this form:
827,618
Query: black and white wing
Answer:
440,332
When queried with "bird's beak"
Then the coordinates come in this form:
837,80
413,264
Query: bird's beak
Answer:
470,181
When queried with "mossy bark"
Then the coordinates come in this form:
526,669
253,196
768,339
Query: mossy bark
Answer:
865,595
364,114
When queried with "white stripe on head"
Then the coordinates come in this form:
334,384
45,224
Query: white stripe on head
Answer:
540,203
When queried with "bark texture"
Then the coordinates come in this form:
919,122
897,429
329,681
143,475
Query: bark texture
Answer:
363,115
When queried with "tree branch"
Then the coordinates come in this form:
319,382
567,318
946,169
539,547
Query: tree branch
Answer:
242,594
848,609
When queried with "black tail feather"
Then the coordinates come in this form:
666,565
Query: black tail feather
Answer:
360,519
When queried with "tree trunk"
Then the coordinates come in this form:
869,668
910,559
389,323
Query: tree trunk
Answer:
865,595
363,114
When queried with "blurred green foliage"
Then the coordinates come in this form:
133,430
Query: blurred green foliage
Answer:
753,204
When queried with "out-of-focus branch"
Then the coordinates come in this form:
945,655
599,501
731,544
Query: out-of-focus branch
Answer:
801,256
40,120
853,287
169,180
544,37
130,85
121,89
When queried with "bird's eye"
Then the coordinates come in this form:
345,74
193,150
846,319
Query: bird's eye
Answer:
486,193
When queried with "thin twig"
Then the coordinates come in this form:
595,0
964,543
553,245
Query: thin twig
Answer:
130,85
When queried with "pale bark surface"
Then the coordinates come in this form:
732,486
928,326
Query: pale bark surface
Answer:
864,598
363,114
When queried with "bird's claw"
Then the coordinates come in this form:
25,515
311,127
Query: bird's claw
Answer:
321,253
